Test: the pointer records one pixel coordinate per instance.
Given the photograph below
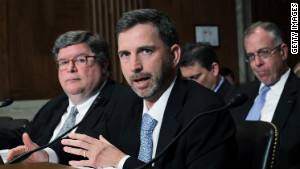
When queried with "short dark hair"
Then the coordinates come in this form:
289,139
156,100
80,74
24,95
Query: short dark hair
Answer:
198,52
276,34
95,43
166,27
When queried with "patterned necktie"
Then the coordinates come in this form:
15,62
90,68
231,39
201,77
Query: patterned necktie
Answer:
70,122
148,124
255,111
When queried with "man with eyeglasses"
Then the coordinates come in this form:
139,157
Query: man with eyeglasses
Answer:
82,60
276,90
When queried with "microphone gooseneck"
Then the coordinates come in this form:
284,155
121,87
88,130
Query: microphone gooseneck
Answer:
99,100
7,102
236,100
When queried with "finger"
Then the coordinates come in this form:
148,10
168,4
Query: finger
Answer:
85,163
75,143
13,153
27,142
75,151
82,137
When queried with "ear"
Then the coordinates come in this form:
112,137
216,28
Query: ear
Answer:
175,54
104,66
284,51
215,68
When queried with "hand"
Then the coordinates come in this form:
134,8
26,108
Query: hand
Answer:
40,156
100,153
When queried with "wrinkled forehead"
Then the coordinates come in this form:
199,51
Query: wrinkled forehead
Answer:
257,40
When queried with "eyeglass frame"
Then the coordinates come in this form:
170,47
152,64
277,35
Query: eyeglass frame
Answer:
74,61
258,53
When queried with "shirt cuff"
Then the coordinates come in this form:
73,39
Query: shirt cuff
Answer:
122,162
52,155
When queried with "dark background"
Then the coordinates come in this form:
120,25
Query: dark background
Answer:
28,29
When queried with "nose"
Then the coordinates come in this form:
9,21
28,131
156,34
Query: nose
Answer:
71,66
258,60
135,64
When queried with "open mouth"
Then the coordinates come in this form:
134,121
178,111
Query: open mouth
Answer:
140,80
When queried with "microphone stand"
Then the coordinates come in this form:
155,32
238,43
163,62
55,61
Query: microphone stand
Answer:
7,102
26,154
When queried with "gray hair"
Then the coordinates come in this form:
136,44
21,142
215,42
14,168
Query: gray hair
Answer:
276,34
95,43
166,27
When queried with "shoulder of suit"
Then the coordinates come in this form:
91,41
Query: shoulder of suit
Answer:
58,99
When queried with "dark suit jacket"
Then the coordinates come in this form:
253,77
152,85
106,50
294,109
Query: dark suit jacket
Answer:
44,123
286,118
208,143
226,90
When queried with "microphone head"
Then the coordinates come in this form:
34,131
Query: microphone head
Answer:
7,102
237,100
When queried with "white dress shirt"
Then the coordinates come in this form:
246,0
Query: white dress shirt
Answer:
272,98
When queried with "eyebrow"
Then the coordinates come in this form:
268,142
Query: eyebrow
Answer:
79,54
260,49
122,51
138,49
143,47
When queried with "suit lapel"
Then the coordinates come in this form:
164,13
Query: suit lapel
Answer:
286,102
95,115
129,139
223,88
252,91
170,125
57,114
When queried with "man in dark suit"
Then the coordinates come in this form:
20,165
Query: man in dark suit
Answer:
82,60
199,62
267,55
149,54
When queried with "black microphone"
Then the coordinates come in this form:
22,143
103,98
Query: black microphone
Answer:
236,100
100,99
7,102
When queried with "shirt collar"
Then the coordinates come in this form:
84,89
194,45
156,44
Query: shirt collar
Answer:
219,85
158,109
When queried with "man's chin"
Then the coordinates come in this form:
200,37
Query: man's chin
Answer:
266,81
74,92
141,92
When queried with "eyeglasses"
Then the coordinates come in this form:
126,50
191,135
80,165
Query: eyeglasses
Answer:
262,54
79,61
